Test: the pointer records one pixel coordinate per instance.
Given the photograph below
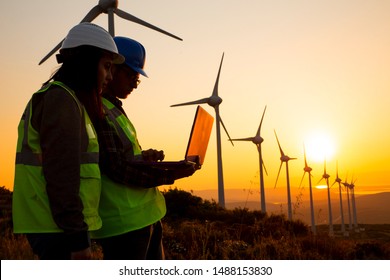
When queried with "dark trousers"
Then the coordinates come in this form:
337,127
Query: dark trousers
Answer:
142,244
49,246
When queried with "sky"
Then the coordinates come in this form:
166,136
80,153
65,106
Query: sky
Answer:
321,68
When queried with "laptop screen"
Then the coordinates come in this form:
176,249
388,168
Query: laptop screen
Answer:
200,134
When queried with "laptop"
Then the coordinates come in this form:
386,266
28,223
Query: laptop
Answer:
196,147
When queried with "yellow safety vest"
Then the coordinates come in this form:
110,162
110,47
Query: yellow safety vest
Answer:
126,208
30,207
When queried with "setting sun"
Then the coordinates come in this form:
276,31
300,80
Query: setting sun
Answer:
319,146
321,187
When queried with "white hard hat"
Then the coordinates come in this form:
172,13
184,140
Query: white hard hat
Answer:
89,34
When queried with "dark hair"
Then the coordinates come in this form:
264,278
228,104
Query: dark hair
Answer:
79,71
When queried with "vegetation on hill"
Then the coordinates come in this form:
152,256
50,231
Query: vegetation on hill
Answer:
200,229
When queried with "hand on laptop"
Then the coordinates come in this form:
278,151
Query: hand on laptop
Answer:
186,171
153,155
189,168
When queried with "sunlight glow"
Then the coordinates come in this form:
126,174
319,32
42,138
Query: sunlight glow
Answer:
321,187
319,146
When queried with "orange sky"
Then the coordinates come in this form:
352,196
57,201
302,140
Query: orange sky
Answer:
320,68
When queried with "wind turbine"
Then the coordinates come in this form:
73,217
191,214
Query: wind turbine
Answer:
286,159
307,169
214,101
258,140
352,187
110,7
338,180
347,187
326,177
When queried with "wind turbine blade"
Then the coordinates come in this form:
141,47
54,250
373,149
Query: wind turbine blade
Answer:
56,48
92,14
132,18
215,90
265,169
243,139
280,148
200,101
320,180
304,154
258,130
230,139
346,180
277,177
302,179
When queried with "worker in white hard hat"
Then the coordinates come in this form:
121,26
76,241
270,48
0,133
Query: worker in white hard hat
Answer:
131,206
57,178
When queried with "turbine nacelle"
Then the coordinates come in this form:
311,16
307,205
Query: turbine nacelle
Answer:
257,140
214,100
346,185
107,4
307,169
286,158
337,180
352,184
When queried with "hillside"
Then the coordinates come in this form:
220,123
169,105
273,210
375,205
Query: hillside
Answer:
196,229
371,208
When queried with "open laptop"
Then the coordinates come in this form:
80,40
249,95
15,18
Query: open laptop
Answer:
196,147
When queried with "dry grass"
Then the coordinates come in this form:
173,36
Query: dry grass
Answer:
206,241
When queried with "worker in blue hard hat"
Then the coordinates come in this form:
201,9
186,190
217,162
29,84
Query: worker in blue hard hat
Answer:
57,177
131,206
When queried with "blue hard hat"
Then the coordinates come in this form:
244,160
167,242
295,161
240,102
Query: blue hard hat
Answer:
133,52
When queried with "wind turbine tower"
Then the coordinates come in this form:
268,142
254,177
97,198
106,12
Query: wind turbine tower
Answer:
347,187
258,140
326,177
110,7
352,186
338,181
307,169
214,101
285,158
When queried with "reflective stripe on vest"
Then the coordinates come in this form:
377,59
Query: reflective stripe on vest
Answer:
123,127
31,209
126,208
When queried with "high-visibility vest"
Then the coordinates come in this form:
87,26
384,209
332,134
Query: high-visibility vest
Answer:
126,208
30,206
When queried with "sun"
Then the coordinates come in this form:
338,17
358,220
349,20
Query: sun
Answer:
319,146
